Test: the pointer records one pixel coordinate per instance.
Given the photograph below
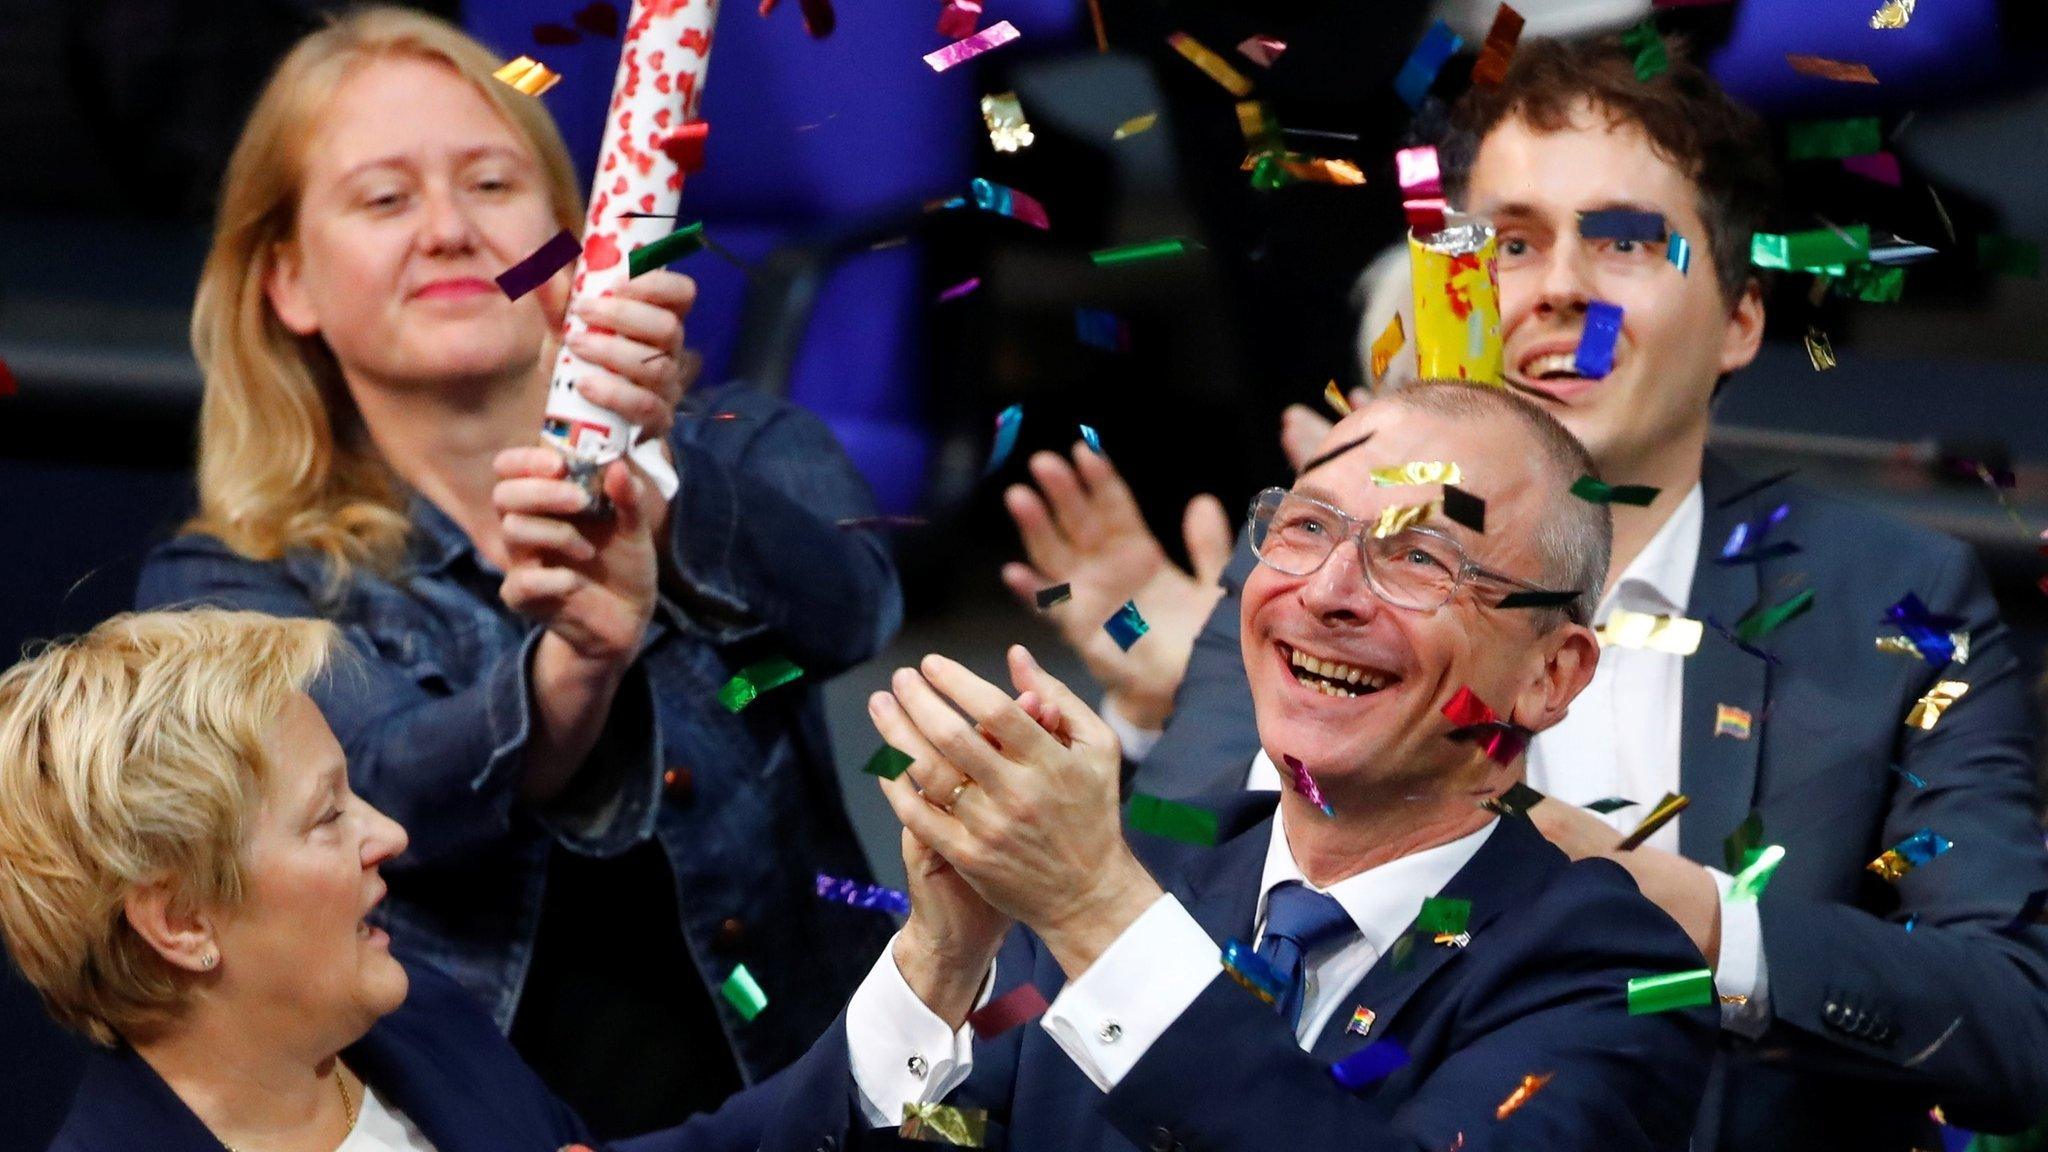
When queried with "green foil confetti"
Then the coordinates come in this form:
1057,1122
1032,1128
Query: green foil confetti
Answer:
1647,46
1820,250
1647,994
888,763
1833,139
2009,256
1597,492
1172,819
743,993
1872,284
665,251
1749,883
1610,804
1757,625
1135,253
1443,916
1743,844
748,684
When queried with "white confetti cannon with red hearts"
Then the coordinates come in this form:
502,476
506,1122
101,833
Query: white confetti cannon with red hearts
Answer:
649,144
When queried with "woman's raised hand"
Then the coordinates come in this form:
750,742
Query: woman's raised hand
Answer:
589,580
636,336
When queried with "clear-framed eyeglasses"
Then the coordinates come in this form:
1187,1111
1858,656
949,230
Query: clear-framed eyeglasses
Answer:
1416,568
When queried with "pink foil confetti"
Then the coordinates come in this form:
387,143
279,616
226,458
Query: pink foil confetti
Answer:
1306,785
1262,50
961,289
1882,167
994,36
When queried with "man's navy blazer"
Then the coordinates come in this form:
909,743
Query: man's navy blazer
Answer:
1541,989
1885,999
439,1059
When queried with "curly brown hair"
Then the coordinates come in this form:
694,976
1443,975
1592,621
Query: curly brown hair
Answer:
1721,145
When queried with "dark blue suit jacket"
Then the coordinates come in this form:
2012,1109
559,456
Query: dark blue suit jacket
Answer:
1538,990
1873,1023
439,1059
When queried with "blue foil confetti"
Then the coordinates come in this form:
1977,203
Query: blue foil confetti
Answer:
1929,631
1100,329
858,895
1595,357
1437,45
1679,252
1093,439
1126,626
1008,421
1745,545
1622,224
1370,1064
1923,846
1248,968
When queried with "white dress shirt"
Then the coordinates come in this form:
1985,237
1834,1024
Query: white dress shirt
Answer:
382,1128
1622,738
1106,1018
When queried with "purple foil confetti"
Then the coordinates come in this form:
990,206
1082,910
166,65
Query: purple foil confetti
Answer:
1595,357
1306,785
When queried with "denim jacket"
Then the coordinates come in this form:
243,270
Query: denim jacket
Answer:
435,717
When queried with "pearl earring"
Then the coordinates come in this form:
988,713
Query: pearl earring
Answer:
209,960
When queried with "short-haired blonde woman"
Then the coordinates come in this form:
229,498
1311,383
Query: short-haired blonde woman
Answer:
596,843
186,876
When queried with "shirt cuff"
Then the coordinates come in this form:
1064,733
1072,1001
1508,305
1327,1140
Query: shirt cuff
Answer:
1136,741
1106,1018
899,1050
1739,969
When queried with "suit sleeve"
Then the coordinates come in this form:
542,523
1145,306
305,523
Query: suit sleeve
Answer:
1959,1004
754,544
1229,1076
1212,735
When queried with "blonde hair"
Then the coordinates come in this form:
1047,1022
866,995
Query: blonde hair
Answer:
284,460
133,755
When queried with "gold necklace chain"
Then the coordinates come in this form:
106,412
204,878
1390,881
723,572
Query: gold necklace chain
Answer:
348,1105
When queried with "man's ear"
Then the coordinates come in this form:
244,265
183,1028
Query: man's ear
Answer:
1744,333
1569,657
183,937
285,286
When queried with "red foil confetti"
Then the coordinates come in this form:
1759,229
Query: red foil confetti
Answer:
598,19
819,18
1262,50
959,18
1882,167
1024,1002
1492,66
1841,71
685,145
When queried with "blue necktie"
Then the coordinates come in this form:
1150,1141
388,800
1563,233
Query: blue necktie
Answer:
1299,920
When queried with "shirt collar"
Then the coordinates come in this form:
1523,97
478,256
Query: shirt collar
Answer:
1382,901
1659,580
437,541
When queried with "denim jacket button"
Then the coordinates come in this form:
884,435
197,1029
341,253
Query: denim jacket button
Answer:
732,931
678,784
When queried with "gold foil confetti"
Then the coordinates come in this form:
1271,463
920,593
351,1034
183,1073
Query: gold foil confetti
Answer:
1419,472
529,75
1676,635
1894,14
1400,517
1134,126
1819,351
1664,813
1007,128
1385,345
944,1124
1929,708
1212,65
1334,397
1529,1086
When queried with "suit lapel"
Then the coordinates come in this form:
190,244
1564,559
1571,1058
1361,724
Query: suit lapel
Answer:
1719,773
1514,860
1220,888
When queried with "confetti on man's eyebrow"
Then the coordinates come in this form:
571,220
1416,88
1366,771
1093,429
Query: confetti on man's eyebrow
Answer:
1385,345
1370,1064
1594,491
1056,594
1417,472
528,75
856,894
1664,813
1531,1084
1914,851
1623,224
1008,421
1003,114
748,683
1841,71
1662,993
1332,454
960,51
1305,783
944,1124
1759,623
1126,626
888,763
744,993
558,253
1494,56
1145,250
1024,1002
1213,66
1399,518
1172,819
665,251
1892,14
1674,635
1261,50
1929,708
1538,598
1437,46
1462,507
1594,358
1833,139
1134,126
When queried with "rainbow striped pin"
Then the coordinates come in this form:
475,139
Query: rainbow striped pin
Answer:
1361,1021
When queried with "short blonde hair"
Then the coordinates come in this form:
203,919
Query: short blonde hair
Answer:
133,755
284,461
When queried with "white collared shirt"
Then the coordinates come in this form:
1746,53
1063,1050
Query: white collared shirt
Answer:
1622,738
381,1128
1106,1018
